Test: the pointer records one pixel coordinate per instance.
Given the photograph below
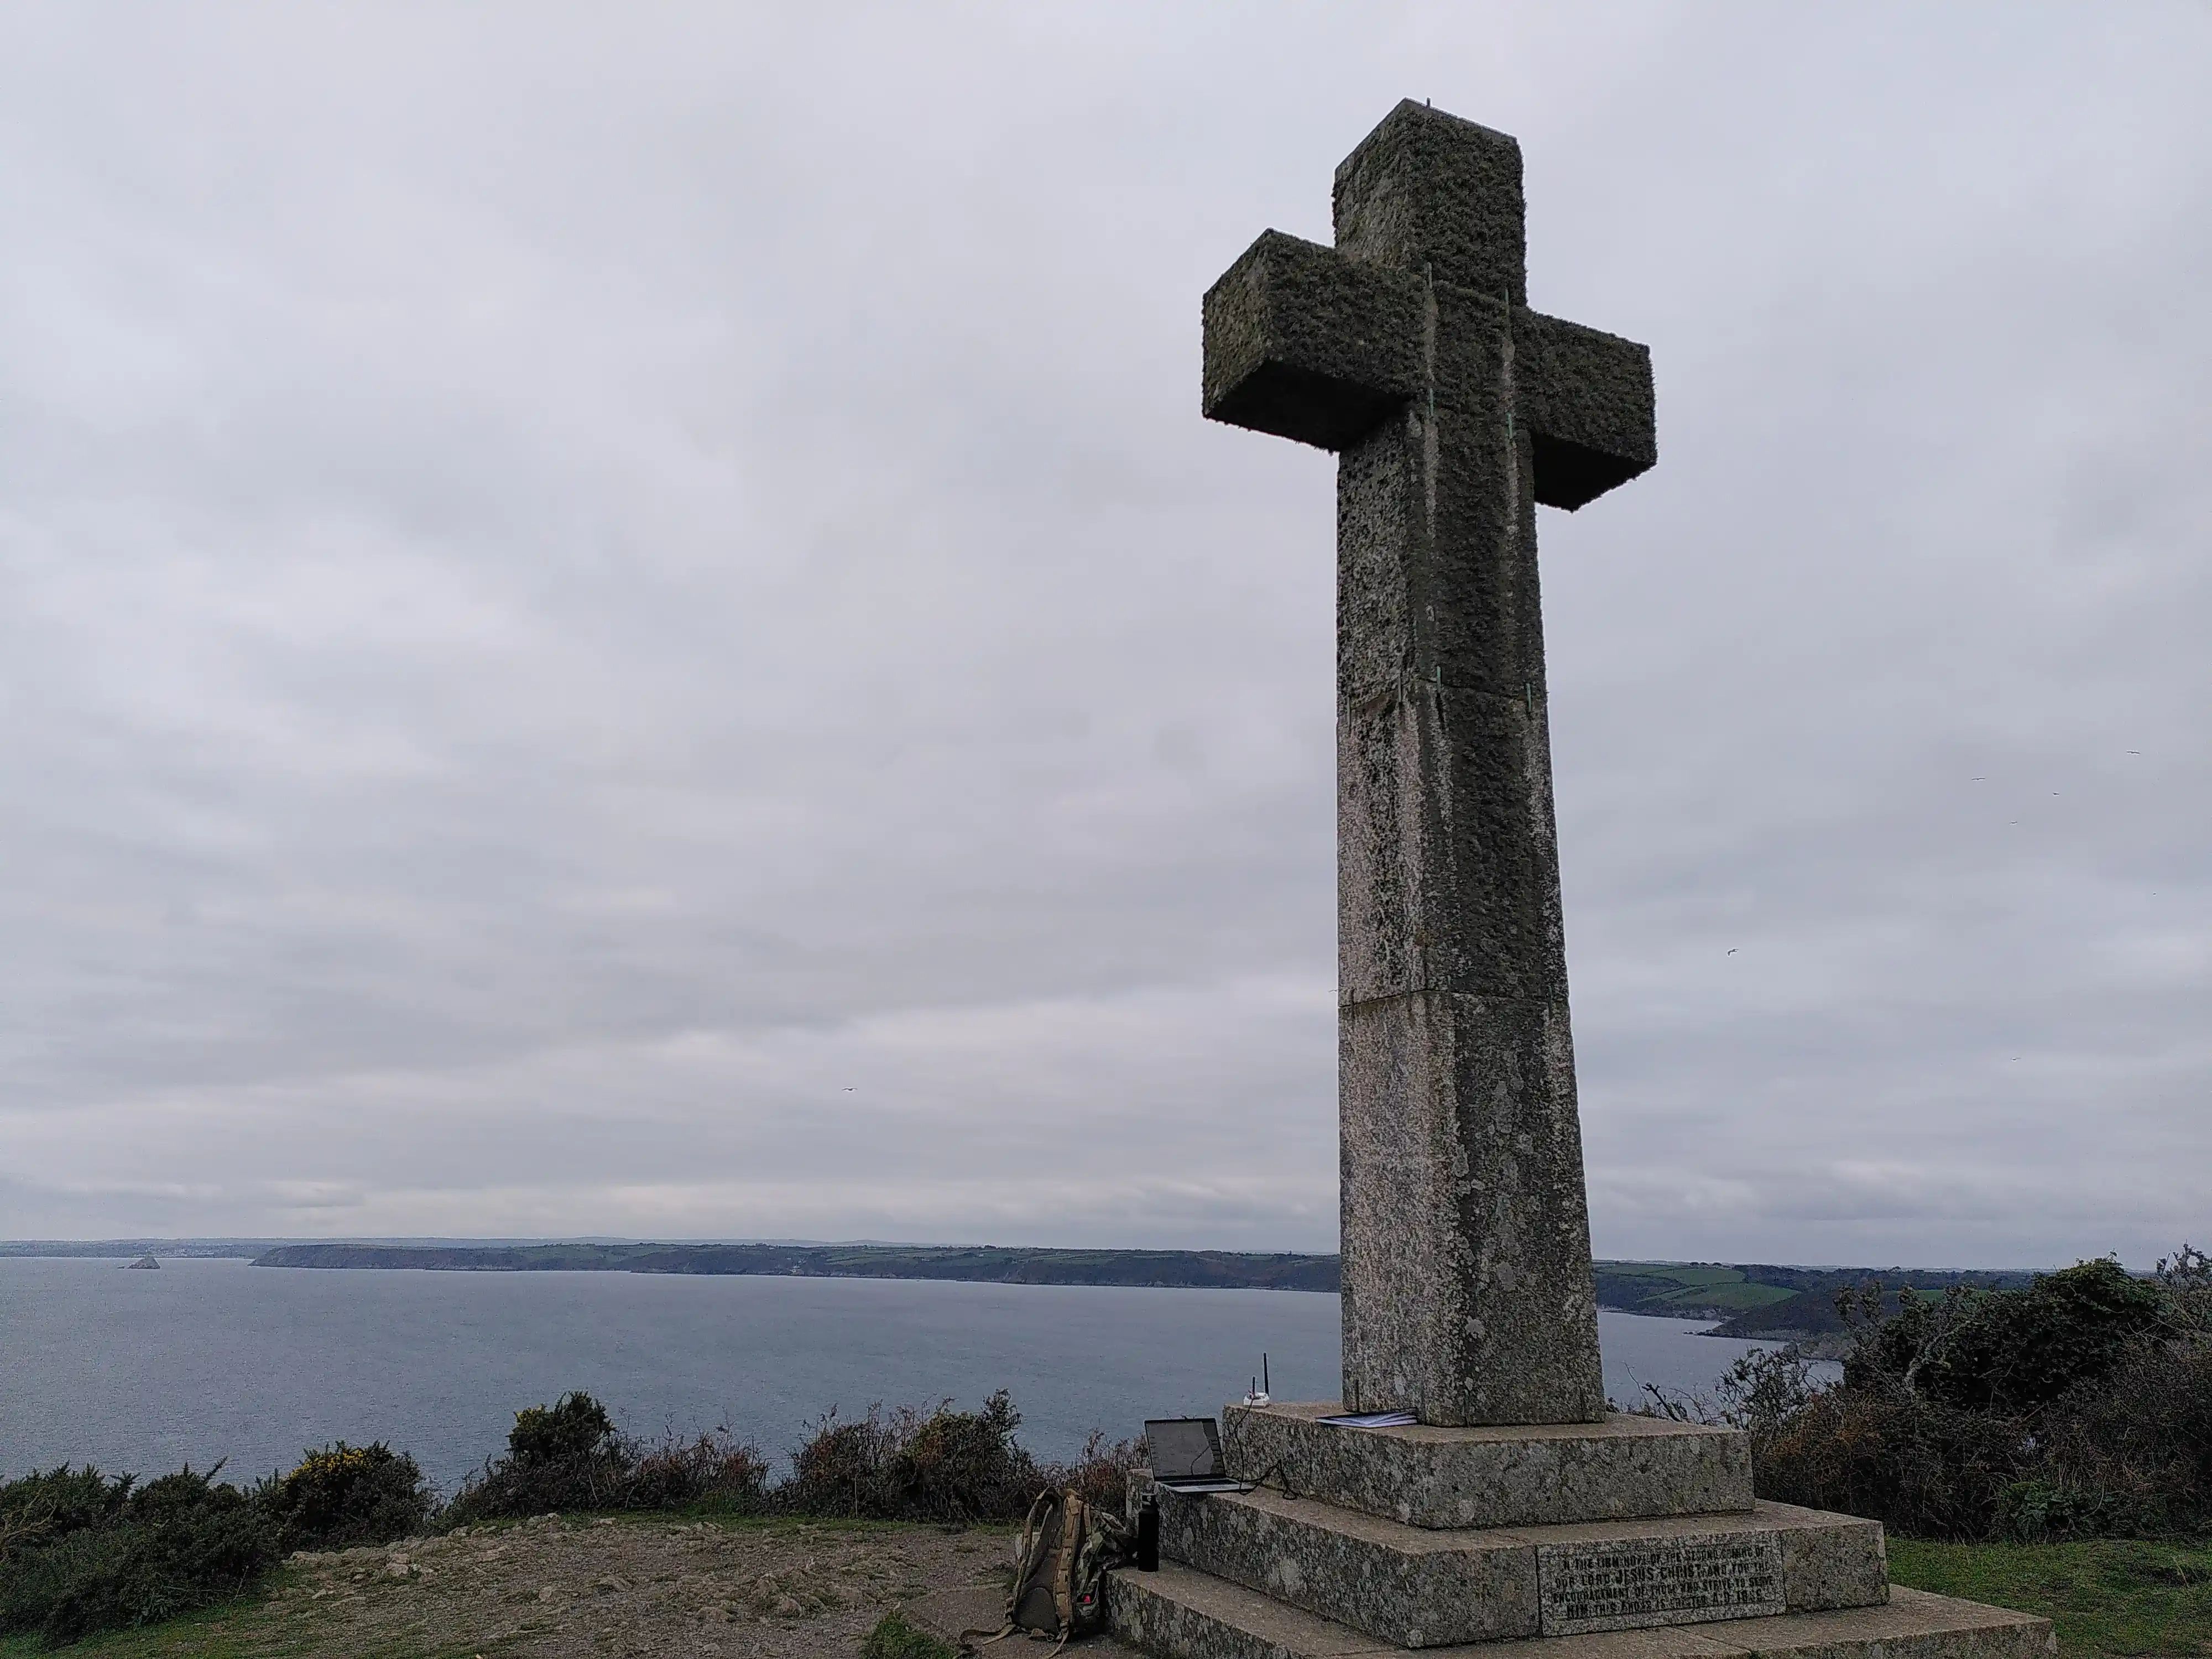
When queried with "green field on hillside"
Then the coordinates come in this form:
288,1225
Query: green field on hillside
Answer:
1760,1301
1690,1290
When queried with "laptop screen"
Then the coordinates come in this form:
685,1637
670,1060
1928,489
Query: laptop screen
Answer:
1184,1448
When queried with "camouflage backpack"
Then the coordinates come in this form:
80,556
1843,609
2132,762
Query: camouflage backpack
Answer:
1060,1563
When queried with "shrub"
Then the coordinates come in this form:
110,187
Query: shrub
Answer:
2186,1277
506,1488
1765,1389
574,1429
343,1495
709,1470
894,1638
2038,1511
569,1455
40,1507
2079,1406
1100,1476
179,1542
961,1466
942,1465
2142,1437
1926,1470
2012,1350
840,1468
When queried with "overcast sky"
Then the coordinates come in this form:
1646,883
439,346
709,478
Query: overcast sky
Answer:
620,620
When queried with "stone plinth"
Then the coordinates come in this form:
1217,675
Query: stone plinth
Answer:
1190,1614
1419,1587
1621,1468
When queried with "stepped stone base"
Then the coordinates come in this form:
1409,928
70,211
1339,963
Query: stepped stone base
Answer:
1623,1469
1179,1613
1630,1539
1419,1587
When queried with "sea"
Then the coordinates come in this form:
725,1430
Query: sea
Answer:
215,1359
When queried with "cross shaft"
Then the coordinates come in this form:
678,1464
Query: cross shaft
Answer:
1408,348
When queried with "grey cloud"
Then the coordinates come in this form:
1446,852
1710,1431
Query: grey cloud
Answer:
624,624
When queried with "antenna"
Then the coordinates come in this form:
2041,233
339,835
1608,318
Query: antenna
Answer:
1258,1396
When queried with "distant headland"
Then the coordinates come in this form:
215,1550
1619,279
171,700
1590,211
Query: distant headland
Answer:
1755,1301
1746,1300
983,1264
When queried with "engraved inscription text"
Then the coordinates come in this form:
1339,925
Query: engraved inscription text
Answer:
1633,1583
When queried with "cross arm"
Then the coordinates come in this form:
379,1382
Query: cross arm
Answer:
1306,343
1586,397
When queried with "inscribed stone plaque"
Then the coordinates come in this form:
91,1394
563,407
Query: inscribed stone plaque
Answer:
1631,1582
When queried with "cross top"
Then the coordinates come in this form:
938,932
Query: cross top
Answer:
1321,344
1409,350
1427,192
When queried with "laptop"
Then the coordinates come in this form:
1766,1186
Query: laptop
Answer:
1186,1453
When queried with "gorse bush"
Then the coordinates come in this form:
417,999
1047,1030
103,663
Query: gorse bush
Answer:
575,1429
569,1455
39,1508
942,1465
345,1495
83,1553
2078,1406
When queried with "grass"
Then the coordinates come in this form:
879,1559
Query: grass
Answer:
244,1629
895,1638
266,1625
253,1627
2109,1598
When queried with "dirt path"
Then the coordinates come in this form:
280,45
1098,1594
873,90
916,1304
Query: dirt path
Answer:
560,1589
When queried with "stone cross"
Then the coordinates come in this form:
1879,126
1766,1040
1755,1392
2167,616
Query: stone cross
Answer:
1409,349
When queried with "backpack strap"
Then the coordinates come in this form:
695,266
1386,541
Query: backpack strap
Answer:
1030,1553
1070,1545
1027,1550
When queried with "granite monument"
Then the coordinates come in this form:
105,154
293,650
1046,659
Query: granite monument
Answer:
1517,1507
